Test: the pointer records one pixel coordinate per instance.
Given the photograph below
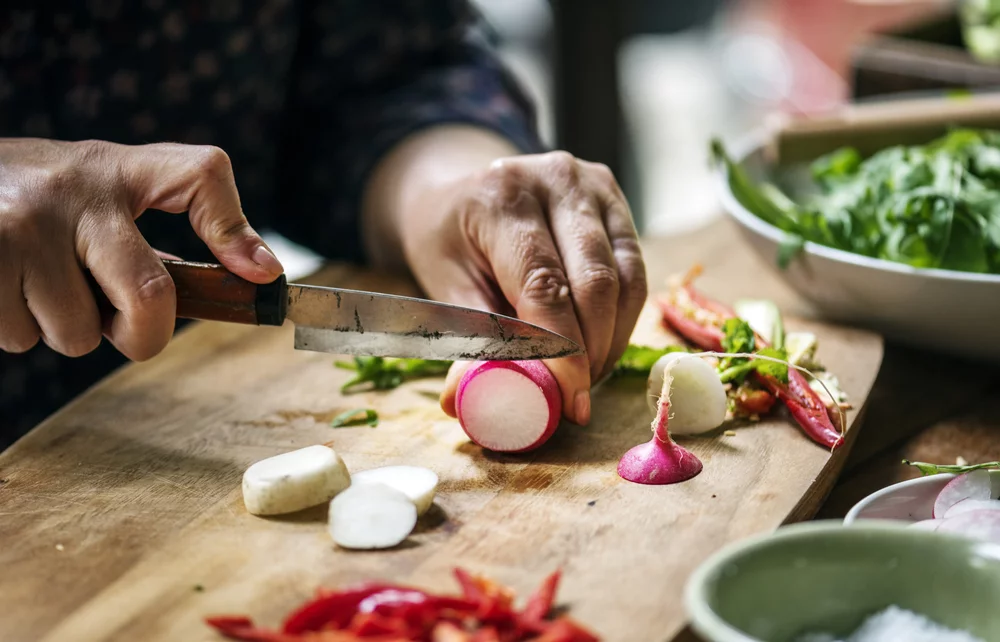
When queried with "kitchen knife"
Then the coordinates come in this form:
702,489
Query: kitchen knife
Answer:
362,323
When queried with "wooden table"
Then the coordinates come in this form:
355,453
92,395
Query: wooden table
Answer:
923,407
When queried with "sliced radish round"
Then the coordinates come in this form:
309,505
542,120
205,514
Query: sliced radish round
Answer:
969,505
415,482
978,524
508,406
974,485
926,525
370,516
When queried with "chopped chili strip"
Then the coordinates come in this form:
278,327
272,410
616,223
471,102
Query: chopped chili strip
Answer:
541,602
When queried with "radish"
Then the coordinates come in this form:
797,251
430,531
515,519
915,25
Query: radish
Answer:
660,461
927,525
974,485
978,524
508,406
294,480
415,482
371,515
969,505
697,396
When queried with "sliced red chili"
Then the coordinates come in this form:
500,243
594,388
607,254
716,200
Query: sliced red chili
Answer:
540,603
331,610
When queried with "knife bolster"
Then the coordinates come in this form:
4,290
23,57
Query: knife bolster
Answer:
271,302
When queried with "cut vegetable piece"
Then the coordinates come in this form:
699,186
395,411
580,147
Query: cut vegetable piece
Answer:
294,481
660,461
978,524
371,515
508,406
801,348
926,525
419,484
697,396
974,485
969,505
764,318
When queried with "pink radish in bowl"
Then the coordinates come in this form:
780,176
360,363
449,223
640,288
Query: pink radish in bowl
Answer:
508,406
660,460
977,524
974,485
969,505
927,524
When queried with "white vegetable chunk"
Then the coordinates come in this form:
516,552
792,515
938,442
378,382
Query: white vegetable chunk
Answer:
417,483
371,515
697,397
969,505
294,481
974,485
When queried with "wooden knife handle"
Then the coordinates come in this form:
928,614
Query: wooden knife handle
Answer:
211,292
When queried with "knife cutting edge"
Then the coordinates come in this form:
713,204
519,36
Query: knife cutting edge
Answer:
362,323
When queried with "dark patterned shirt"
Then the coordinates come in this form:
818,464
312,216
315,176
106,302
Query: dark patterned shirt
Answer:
305,96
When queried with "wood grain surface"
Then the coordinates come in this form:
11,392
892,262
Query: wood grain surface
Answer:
121,516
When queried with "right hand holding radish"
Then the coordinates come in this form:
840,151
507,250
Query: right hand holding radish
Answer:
70,207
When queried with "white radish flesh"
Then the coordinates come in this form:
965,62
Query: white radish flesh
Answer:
926,525
369,516
974,485
977,524
969,505
419,484
294,481
508,406
697,396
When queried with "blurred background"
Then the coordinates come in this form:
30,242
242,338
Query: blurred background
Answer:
642,85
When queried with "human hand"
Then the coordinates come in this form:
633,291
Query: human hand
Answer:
67,207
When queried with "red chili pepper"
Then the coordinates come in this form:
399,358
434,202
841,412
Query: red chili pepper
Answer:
242,628
331,610
449,632
565,630
754,401
802,401
486,634
540,603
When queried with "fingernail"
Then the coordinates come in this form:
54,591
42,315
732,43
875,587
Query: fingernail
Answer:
265,259
581,407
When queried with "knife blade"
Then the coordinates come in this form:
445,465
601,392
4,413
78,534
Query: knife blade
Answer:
355,322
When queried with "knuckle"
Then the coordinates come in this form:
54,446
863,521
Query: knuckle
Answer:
155,292
606,177
634,284
563,166
545,285
212,161
598,281
504,182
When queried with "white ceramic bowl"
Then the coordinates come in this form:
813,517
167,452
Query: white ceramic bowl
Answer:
910,501
944,310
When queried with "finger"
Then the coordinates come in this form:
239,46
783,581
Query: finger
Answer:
199,180
167,255
136,283
531,275
631,269
449,395
582,241
61,302
18,330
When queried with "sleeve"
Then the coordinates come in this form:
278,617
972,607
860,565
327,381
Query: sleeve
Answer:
368,75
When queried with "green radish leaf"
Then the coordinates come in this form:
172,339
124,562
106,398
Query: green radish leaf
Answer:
358,417
639,360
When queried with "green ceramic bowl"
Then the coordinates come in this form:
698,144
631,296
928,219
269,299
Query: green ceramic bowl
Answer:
825,577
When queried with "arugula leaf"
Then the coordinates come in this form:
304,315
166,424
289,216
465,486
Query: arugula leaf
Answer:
638,360
386,374
769,368
929,206
737,336
356,417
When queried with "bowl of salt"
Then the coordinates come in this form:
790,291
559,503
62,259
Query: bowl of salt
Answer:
869,582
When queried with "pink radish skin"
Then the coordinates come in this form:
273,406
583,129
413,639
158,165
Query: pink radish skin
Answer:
977,524
660,460
508,406
974,485
926,525
969,505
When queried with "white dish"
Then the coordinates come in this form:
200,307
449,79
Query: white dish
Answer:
910,501
944,310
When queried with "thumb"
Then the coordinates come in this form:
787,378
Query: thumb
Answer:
199,180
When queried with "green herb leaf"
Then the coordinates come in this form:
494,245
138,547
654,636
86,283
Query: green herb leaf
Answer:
638,360
934,469
770,368
737,336
357,417
386,374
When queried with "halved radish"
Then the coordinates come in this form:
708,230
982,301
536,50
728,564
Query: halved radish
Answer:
415,482
926,525
969,505
508,406
974,485
370,516
697,396
978,524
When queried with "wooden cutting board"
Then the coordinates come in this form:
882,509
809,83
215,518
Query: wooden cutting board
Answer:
121,517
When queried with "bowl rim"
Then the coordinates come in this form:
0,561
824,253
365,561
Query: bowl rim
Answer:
756,140
710,625
937,478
